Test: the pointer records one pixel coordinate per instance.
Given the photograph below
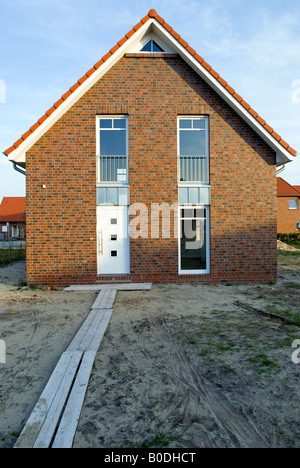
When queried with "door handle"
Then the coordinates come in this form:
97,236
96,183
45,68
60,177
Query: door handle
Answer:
100,243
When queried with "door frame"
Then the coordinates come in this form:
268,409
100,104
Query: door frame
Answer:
125,233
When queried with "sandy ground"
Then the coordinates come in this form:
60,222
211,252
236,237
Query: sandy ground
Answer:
179,366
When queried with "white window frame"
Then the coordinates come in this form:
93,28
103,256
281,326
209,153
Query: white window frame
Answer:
158,39
296,202
193,117
98,157
194,272
152,51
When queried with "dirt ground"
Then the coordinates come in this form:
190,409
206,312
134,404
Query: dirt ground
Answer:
179,366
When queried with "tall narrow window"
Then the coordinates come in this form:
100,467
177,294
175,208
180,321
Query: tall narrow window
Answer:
193,149
194,240
112,149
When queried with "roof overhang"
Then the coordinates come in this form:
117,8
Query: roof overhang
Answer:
130,44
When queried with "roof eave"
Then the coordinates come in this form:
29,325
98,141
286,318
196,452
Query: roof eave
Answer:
283,155
18,155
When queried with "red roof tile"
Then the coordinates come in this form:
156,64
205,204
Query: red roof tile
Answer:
284,189
153,14
12,209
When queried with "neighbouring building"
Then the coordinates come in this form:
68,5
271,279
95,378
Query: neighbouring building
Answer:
13,218
151,140
288,207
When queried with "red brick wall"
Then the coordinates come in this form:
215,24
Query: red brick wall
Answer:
286,218
61,219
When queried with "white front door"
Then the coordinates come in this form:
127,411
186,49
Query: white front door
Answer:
113,240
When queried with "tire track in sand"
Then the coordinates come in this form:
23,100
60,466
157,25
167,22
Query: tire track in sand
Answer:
195,394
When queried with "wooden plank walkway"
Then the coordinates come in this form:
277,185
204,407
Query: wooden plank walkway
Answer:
52,397
54,419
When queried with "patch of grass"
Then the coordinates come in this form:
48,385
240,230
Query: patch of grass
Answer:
264,364
225,347
11,255
272,309
288,253
160,440
192,341
261,296
34,287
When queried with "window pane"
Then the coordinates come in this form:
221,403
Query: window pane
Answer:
187,213
120,123
193,244
156,48
151,46
193,212
106,123
200,213
147,47
112,143
185,123
199,123
293,204
192,143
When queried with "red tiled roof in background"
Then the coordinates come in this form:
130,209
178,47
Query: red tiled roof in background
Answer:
284,189
12,209
153,14
297,187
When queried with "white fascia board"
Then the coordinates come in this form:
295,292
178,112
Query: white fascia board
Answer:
281,152
19,154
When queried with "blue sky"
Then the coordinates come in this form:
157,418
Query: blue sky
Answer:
47,45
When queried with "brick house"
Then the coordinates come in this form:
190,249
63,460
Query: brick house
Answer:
288,207
152,138
12,218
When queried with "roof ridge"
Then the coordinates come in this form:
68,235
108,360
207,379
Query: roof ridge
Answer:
152,14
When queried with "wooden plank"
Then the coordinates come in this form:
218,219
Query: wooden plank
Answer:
119,287
46,433
67,427
78,341
35,421
64,393
105,299
105,315
90,332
